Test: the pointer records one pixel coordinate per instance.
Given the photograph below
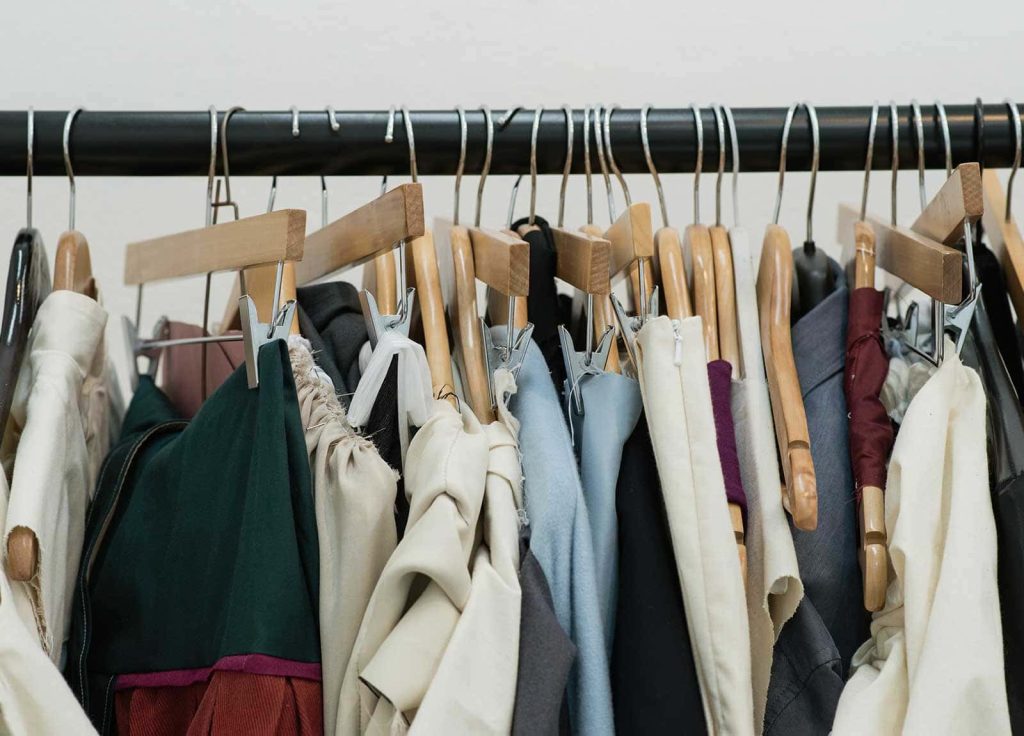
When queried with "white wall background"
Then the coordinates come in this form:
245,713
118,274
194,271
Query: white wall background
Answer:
263,54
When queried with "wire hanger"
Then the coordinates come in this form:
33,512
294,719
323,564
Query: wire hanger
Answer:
774,298
72,268
666,241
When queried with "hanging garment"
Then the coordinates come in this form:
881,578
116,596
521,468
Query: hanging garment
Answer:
1005,422
995,295
331,318
720,383
354,494
612,405
182,367
561,538
45,454
655,687
546,654
33,696
774,589
867,365
543,304
677,401
934,662
474,688
196,601
102,410
425,586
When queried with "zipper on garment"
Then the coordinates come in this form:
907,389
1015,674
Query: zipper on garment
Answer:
677,355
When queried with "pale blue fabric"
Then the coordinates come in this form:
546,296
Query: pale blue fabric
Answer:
560,538
612,406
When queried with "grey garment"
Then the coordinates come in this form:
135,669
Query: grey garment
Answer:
331,318
612,406
546,654
831,621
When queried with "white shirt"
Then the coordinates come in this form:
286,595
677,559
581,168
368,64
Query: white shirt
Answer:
934,663
44,449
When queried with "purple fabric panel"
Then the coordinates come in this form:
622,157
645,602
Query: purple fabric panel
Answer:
720,380
253,664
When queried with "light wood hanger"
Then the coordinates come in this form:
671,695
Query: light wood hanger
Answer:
774,301
698,252
72,270
725,281
1004,236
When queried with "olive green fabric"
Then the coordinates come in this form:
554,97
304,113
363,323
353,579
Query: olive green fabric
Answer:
211,545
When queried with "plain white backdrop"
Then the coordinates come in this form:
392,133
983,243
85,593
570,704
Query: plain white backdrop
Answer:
263,55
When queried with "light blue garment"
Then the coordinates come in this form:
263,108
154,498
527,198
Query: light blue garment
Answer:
611,408
560,538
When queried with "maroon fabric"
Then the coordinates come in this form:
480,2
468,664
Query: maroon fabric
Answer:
867,365
182,369
227,703
720,380
254,664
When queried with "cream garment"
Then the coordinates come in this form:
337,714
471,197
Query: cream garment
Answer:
44,450
425,585
102,408
774,589
34,699
354,495
474,689
677,399
934,663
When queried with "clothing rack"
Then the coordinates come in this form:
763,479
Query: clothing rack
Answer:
120,143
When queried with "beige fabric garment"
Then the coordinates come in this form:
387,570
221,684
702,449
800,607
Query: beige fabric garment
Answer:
34,699
425,585
934,663
354,495
677,400
44,453
474,688
774,589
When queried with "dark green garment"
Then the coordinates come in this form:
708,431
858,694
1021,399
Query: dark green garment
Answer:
201,541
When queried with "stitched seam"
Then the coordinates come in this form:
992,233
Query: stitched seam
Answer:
798,689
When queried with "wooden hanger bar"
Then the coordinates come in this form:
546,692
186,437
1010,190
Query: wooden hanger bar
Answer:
72,270
501,260
604,316
674,288
394,216
927,265
1005,238
431,304
631,237
251,241
725,299
584,261
698,250
960,198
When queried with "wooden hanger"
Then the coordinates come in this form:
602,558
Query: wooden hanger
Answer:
72,269
1004,237
725,299
697,249
431,303
774,294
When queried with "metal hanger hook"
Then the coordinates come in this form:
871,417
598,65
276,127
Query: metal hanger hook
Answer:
894,128
734,143
611,155
586,164
463,136
227,201
533,163
698,166
1015,121
720,130
944,126
68,121
919,136
295,120
812,116
645,140
782,159
599,142
29,163
212,174
568,163
332,118
486,168
872,127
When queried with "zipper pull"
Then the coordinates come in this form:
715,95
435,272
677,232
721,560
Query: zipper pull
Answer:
678,354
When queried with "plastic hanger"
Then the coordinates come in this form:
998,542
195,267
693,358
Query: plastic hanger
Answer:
774,300
814,277
28,284
725,281
274,237
666,242
72,270
1003,233
697,251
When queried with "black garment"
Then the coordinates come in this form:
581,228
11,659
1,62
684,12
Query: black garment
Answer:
997,304
654,679
331,318
545,309
1005,431
546,654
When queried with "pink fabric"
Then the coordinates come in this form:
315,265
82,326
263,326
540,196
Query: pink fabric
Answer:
253,664
183,367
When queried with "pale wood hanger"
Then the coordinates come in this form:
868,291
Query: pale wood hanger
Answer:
698,252
725,280
1003,234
